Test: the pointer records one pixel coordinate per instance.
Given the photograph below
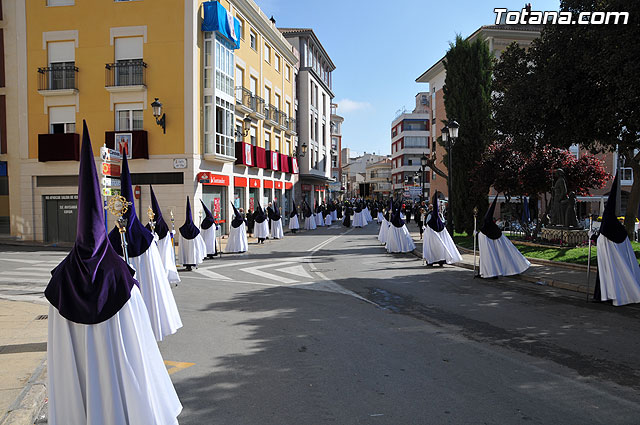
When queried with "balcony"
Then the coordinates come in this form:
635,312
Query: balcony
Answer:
128,75
291,127
58,80
272,115
59,147
245,101
258,110
139,143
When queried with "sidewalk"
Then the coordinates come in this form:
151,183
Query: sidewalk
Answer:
23,350
572,277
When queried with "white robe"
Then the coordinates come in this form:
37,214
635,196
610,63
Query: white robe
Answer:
367,215
438,246
168,257
619,272
209,237
156,292
327,220
380,217
399,239
108,373
382,233
500,257
319,220
358,220
310,223
191,251
237,241
334,215
294,223
276,229
261,230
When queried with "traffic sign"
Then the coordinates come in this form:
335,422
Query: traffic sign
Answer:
110,182
110,155
107,191
112,170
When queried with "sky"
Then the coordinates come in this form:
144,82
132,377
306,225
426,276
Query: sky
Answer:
380,48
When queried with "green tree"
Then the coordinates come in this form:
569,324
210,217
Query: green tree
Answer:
467,99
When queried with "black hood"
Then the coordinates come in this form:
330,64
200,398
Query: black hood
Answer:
611,227
489,228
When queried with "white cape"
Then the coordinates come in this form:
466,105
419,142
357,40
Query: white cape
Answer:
209,237
382,233
310,223
438,246
294,224
108,373
334,215
399,239
237,241
500,257
261,230
191,251
619,272
327,220
276,229
319,220
380,217
168,257
156,292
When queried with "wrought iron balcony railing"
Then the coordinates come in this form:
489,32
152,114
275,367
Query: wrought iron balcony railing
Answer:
58,77
126,73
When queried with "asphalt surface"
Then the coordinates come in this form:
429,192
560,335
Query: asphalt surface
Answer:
326,327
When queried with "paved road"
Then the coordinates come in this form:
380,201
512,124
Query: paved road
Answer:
325,327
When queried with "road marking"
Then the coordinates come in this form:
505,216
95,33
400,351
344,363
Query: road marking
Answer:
26,273
33,279
296,271
211,275
177,366
269,276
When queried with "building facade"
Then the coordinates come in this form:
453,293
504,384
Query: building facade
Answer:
336,187
410,140
379,179
225,77
354,174
314,94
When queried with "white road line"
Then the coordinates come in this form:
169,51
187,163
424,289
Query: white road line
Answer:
296,271
19,260
41,279
25,273
269,276
211,275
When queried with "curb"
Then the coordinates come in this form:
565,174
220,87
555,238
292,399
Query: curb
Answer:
25,408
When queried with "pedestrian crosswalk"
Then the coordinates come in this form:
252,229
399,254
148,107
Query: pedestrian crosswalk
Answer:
23,279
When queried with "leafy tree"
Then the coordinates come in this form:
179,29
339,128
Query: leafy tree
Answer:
467,93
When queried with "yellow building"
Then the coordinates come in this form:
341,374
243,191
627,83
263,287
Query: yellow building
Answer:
207,63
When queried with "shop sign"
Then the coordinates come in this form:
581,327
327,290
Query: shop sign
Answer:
112,170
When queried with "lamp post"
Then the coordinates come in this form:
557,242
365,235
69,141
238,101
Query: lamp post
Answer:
159,115
449,137
423,164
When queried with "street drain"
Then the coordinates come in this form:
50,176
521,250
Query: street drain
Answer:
42,317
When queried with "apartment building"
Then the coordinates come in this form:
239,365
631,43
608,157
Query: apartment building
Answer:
219,75
314,94
410,140
336,187
378,178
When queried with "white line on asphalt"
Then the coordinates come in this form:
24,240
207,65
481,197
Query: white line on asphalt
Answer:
211,275
256,271
34,279
296,271
18,260
25,273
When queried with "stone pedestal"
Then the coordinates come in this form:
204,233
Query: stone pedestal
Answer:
564,235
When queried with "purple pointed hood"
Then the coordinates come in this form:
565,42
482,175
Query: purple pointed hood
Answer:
208,220
138,237
489,228
92,283
434,221
238,219
188,229
161,227
259,216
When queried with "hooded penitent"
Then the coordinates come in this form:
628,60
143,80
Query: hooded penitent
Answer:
276,212
92,283
293,212
161,227
396,220
611,227
188,229
237,217
138,237
489,228
259,216
208,220
307,210
434,221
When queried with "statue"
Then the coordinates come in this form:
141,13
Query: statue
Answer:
558,194
569,207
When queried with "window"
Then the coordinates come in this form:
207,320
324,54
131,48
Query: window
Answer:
324,133
224,66
241,27
415,125
267,141
416,142
324,104
253,37
276,100
60,2
313,128
575,150
276,143
253,85
61,57
267,53
128,116
267,95
277,63
287,72
62,119
208,124
254,135
239,82
129,65
626,172
224,128
334,162
334,143
287,109
208,61
287,146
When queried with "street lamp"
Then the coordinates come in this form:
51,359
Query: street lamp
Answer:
246,126
301,150
159,116
449,137
423,164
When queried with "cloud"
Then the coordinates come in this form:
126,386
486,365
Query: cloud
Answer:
348,105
